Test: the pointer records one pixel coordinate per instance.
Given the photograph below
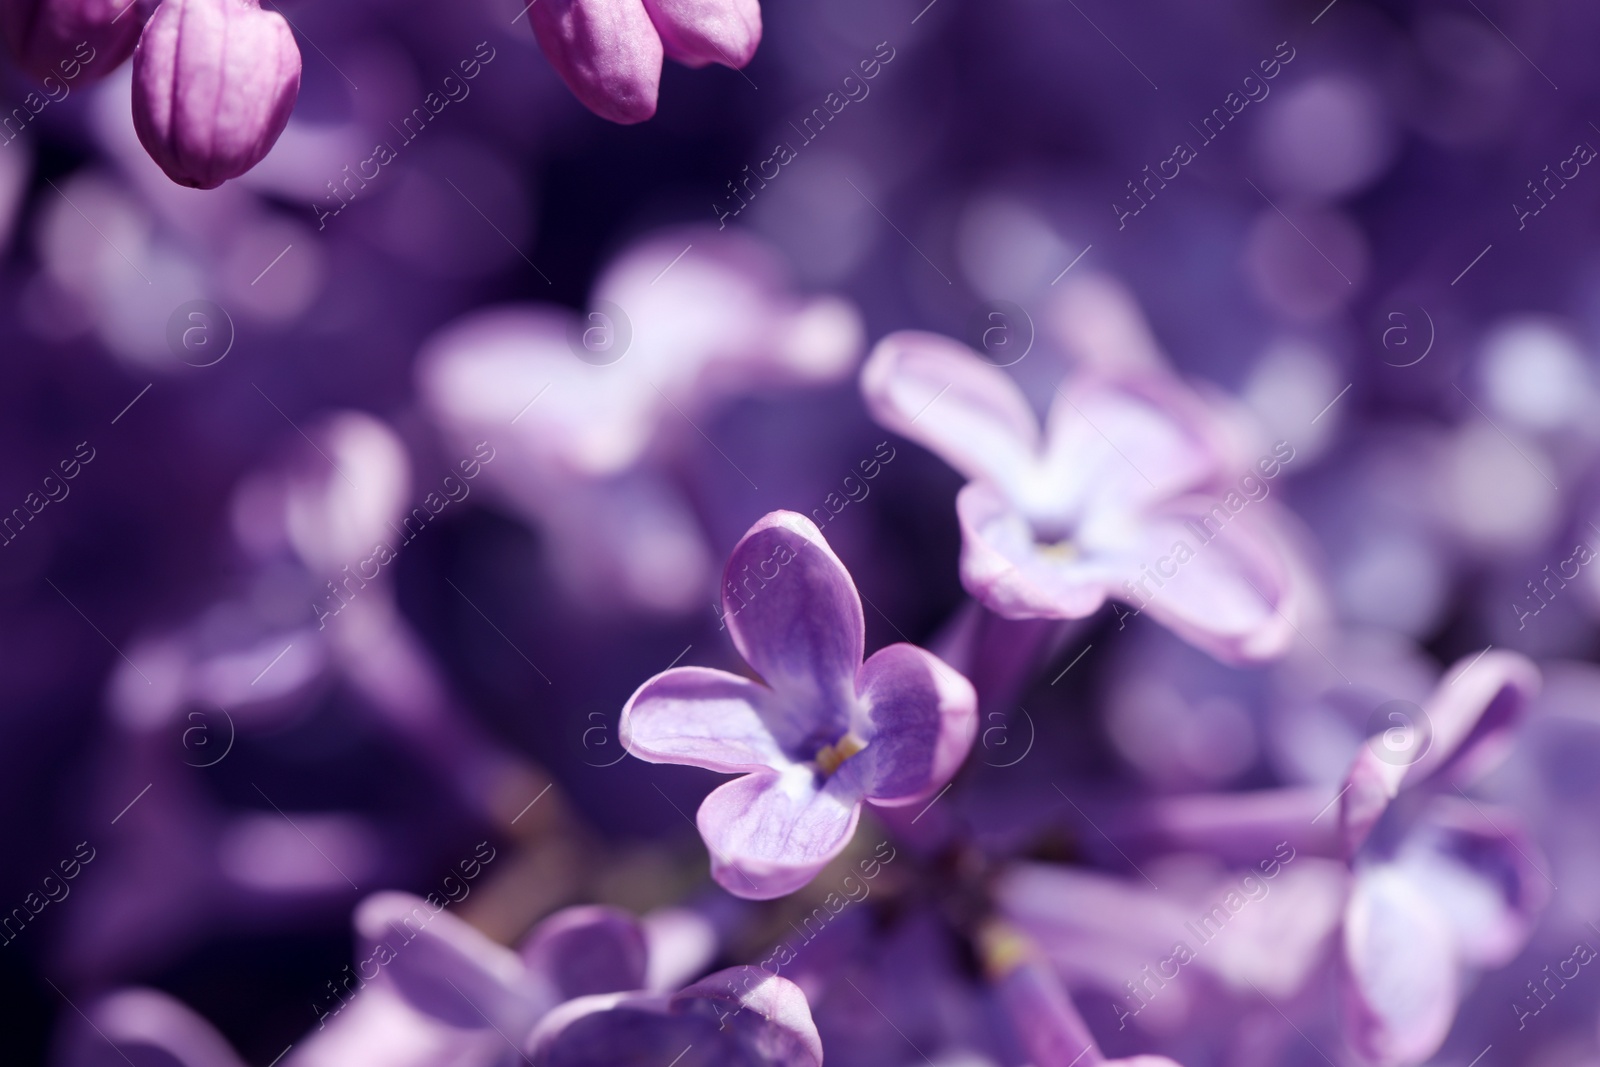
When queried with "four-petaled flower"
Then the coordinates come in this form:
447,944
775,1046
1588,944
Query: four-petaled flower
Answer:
818,734
1123,495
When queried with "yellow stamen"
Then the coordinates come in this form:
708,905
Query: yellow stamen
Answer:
829,757
1058,550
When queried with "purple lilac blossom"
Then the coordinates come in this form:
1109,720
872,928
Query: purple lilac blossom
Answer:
819,732
1307,290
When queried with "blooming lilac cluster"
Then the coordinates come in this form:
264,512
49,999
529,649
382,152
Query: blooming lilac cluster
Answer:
918,619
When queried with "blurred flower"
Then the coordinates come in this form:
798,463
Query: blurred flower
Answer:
1119,483
70,41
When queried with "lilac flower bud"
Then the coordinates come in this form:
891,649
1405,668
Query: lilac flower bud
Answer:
607,51
697,32
70,40
214,81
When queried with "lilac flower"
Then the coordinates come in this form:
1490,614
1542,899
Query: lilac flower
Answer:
448,971
818,734
70,41
214,82
609,52
1045,1020
740,1017
1123,495
1443,885
680,325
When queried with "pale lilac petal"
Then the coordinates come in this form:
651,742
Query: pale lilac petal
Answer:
607,51
1102,328
1005,568
794,614
770,833
145,1026
445,968
702,718
1477,866
1122,445
1473,712
741,1017
697,32
923,718
214,82
1466,726
71,42
589,949
1237,595
940,394
1402,985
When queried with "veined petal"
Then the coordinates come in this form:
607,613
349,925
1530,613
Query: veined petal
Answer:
589,949
940,394
1402,986
923,717
702,718
794,615
213,84
697,32
447,969
770,833
607,51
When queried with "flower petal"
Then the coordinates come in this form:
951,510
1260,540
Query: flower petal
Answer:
702,718
940,394
1476,869
147,1027
607,51
1234,596
1402,989
923,717
697,32
447,969
794,615
770,833
588,949
1473,712
741,1017
1233,591
1123,445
